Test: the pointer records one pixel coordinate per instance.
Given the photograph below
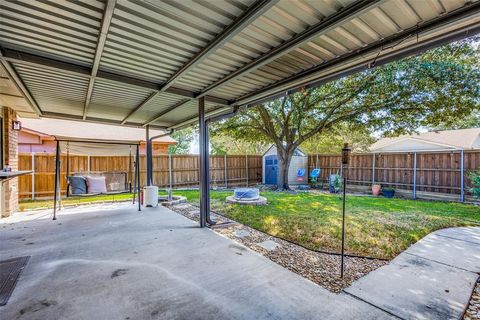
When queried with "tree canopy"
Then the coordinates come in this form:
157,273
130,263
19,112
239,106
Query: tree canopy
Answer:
435,88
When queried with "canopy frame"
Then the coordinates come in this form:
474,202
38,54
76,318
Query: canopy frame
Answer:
57,192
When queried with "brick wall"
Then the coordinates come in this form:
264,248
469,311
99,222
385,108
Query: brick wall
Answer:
10,139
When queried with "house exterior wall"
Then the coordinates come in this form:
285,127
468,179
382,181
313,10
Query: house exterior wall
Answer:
9,189
29,142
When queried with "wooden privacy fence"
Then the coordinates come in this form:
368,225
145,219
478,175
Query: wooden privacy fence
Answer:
439,172
168,171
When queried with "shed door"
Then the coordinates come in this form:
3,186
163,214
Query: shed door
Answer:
271,169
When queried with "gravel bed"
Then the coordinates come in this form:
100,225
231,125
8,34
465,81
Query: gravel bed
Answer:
473,309
321,268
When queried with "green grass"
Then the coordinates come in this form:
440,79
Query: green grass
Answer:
377,227
39,204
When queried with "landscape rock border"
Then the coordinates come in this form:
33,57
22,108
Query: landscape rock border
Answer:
320,268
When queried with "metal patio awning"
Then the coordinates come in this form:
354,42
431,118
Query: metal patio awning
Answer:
146,62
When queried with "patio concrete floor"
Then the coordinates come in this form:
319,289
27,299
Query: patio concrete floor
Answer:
118,263
113,262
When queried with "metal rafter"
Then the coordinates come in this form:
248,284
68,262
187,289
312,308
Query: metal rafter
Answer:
102,38
15,78
144,102
327,24
17,56
167,110
59,115
188,121
257,9
253,12
462,13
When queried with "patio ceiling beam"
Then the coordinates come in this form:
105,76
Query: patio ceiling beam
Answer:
17,81
144,102
253,12
190,120
167,110
59,115
102,38
278,89
16,56
343,15
257,9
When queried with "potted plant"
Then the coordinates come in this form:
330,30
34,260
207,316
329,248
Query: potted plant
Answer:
388,192
376,188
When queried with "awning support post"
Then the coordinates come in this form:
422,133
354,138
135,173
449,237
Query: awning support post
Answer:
148,148
204,166
138,178
57,174
203,157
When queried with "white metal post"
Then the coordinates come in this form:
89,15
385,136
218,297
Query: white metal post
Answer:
462,176
33,175
414,175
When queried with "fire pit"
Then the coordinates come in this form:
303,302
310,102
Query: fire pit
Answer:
247,196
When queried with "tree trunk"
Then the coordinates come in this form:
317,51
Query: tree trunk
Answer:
284,159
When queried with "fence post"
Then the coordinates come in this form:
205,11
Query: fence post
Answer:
225,170
414,175
246,167
170,171
373,168
462,176
88,165
33,175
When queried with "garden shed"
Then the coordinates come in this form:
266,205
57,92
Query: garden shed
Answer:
270,167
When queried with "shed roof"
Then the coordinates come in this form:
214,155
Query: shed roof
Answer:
146,62
87,131
448,139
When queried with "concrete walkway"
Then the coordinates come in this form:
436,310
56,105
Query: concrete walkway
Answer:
433,279
118,263
112,262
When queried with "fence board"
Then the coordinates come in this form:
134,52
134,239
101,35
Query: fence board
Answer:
436,171
185,170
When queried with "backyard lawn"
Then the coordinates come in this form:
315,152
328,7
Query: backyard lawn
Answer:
376,227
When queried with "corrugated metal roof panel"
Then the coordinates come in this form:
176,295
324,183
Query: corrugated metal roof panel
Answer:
262,46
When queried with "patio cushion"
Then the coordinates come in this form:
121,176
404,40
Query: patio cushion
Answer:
78,184
96,184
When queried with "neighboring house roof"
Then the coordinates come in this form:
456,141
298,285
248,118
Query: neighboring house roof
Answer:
77,130
436,140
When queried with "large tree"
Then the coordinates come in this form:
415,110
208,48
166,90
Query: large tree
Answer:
430,89
184,139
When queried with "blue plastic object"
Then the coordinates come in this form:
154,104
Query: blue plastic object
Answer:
315,173
300,172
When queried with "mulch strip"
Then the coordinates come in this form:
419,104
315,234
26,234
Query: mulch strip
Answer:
321,268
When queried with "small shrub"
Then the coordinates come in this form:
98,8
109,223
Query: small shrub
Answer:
475,179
